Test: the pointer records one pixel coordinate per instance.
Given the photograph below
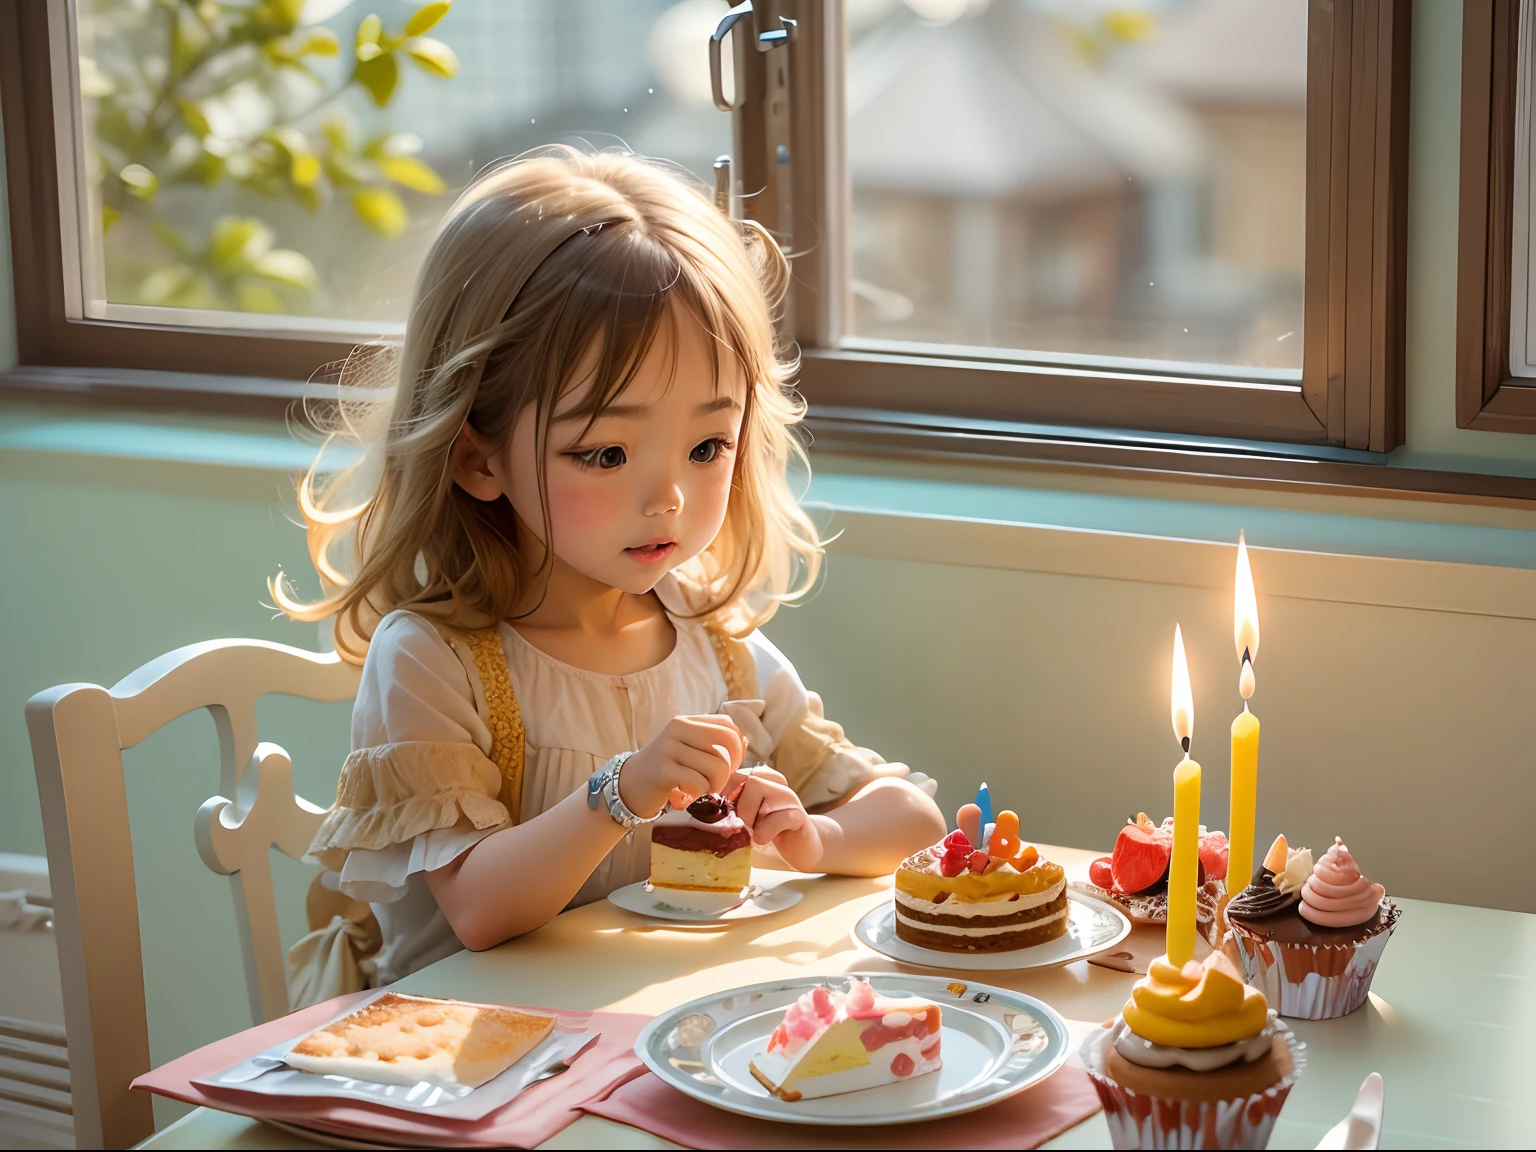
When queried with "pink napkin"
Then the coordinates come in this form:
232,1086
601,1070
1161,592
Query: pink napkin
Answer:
537,1113
1024,1121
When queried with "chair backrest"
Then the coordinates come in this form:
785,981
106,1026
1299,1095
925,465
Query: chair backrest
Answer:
78,734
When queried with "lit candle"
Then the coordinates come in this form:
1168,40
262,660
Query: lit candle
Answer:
1245,729
1183,877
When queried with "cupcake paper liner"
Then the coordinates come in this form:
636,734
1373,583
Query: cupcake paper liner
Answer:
1313,981
1138,1121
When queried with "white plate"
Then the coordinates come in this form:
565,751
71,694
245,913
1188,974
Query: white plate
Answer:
996,1043
1093,926
760,901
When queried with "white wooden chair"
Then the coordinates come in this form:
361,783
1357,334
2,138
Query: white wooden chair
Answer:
78,733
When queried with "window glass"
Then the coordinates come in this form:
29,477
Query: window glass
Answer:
1081,177
293,157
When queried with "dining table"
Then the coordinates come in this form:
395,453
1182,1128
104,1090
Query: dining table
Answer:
1448,1023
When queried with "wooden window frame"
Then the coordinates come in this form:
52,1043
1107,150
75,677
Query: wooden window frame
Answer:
1345,414
1488,397
54,340
1351,390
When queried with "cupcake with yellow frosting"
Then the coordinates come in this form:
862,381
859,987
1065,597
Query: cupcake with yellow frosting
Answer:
1196,1059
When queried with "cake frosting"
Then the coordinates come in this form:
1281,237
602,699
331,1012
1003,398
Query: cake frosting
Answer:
679,828
1196,1006
1336,895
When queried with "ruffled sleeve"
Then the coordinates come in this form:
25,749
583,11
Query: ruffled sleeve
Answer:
419,789
812,752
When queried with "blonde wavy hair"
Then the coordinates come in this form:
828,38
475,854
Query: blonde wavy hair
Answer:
542,262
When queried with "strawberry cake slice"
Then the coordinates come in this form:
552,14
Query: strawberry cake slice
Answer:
833,1041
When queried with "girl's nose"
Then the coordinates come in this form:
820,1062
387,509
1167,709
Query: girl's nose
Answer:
665,500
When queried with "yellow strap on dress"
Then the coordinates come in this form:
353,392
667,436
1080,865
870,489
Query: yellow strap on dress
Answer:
737,664
505,716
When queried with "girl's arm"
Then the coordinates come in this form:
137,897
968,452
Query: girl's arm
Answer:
878,827
874,830
521,878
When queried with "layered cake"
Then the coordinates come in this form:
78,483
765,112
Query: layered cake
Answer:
833,1041
1311,935
1196,1059
1134,876
399,1039
701,856
980,890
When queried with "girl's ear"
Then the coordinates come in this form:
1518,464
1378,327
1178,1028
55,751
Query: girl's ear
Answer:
472,464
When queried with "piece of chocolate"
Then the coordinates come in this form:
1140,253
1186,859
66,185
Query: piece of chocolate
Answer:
710,809
1261,898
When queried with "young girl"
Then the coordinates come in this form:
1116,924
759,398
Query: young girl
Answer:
573,525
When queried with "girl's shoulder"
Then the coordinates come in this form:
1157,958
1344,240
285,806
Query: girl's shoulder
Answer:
406,634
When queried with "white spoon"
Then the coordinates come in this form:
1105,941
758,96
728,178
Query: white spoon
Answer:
1362,1127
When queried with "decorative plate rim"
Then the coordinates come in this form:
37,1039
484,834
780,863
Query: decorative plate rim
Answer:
1028,1068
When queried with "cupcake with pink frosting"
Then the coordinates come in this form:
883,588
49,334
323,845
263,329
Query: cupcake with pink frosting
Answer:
1309,936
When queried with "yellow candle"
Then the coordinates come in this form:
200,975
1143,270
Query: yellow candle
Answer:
1245,729
1245,788
1183,874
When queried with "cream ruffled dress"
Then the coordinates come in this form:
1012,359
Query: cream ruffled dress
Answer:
421,786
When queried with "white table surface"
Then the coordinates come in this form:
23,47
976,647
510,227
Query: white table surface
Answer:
1449,1024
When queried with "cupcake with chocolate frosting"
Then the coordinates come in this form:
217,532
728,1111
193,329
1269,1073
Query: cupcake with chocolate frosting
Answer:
1309,936
1196,1059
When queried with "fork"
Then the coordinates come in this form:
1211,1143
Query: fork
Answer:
1362,1127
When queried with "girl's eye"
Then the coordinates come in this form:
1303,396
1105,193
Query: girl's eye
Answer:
706,451
609,457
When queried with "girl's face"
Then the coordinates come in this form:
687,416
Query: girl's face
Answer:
646,487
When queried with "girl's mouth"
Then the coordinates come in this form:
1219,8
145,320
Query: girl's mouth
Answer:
653,552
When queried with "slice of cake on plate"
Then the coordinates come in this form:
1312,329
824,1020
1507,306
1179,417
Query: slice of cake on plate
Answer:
832,1041
701,856
409,1039
980,890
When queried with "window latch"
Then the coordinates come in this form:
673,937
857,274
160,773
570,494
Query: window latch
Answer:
765,39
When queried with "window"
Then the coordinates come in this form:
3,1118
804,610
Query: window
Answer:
1495,339
267,174
1075,181
1167,216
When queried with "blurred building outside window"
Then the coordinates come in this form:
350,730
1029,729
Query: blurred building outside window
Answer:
1073,178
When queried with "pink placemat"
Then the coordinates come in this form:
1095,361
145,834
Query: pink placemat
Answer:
537,1113
1024,1121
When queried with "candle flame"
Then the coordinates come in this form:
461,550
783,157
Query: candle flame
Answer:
1245,609
1183,698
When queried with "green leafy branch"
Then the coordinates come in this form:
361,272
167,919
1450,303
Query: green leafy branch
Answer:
204,92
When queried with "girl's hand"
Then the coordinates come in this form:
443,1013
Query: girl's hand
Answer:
773,811
693,756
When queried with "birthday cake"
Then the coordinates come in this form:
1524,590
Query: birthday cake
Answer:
832,1041
980,890
701,856
1134,876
